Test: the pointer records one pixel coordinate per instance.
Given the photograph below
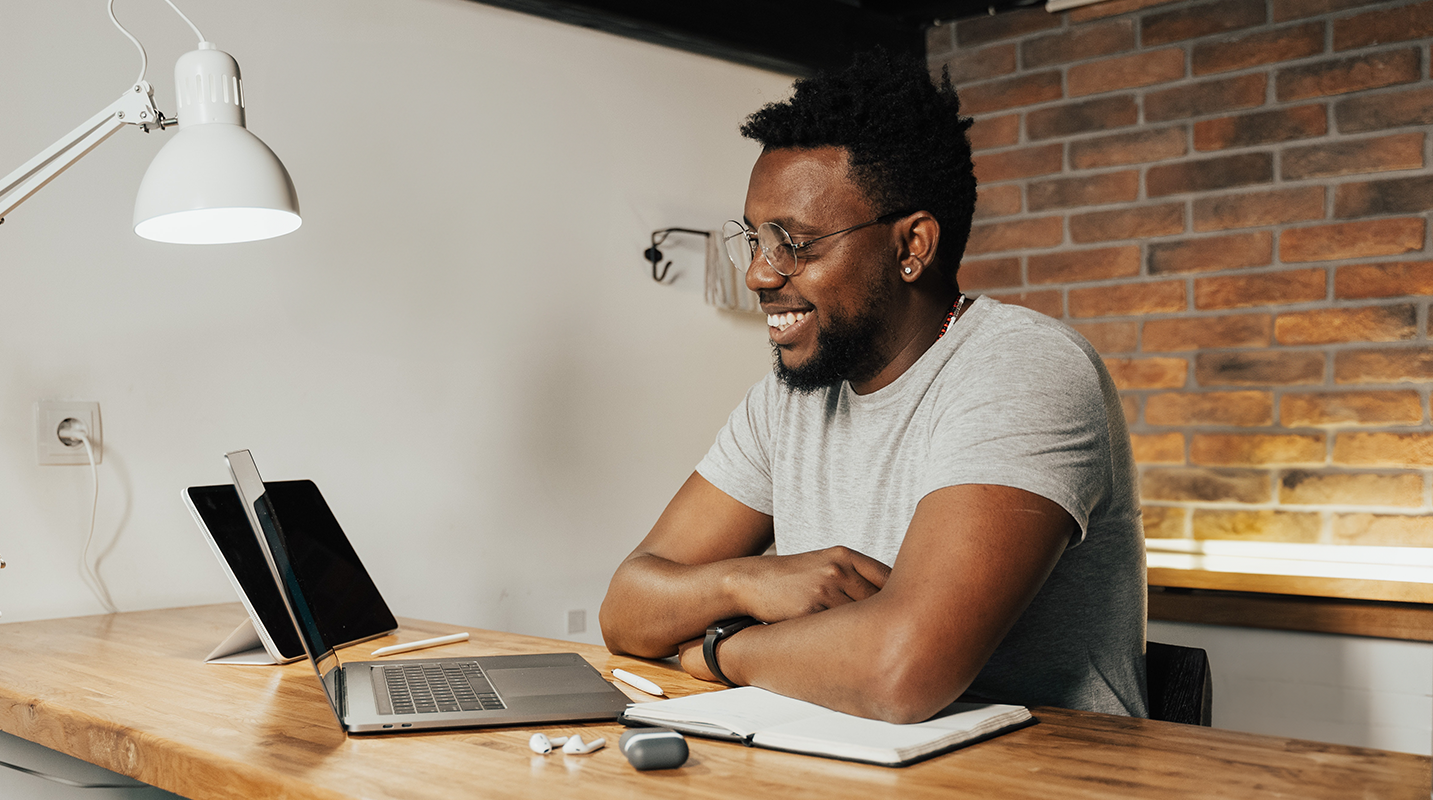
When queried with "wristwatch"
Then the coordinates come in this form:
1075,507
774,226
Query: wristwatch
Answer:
721,630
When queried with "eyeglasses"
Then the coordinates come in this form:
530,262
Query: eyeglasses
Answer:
780,252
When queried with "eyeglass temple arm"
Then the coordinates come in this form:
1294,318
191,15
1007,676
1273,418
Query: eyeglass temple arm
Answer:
655,256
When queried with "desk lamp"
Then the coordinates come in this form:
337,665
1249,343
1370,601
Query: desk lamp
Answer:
213,183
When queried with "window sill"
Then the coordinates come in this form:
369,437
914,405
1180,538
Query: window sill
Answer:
1360,591
1394,574
1297,585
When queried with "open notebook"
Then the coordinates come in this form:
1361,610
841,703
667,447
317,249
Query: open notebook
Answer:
766,719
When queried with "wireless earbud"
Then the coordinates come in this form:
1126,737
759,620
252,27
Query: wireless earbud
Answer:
575,745
542,745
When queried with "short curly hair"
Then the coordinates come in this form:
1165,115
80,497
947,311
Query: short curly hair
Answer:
907,141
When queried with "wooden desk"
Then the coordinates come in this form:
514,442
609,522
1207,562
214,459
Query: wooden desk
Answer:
132,694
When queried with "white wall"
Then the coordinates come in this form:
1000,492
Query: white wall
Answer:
1345,689
461,346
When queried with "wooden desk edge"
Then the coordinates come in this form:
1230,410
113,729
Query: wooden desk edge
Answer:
1306,586
65,720
1383,609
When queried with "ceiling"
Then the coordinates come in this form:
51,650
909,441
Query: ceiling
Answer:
791,36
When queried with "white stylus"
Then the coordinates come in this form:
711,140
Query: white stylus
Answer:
420,644
638,682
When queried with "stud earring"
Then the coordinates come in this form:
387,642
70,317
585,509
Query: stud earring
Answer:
908,270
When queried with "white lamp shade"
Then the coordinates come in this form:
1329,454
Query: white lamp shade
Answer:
215,183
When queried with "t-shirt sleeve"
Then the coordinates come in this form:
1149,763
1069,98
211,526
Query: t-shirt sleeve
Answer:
1027,412
739,462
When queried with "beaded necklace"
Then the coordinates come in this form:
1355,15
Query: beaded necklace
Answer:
954,315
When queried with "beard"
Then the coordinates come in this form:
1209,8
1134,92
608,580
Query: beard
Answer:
846,350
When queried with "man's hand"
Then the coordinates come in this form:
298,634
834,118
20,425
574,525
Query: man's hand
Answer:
778,588
694,661
702,562
785,587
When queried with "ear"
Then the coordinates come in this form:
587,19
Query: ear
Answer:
918,237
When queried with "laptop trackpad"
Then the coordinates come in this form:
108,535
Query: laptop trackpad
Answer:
512,683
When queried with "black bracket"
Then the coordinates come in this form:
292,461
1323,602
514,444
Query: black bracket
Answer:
655,256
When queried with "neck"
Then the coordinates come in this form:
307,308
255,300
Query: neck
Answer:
922,321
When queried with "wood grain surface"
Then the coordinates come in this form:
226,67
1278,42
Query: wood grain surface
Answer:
1310,586
131,693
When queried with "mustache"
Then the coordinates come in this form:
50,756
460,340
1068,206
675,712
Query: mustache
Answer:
773,297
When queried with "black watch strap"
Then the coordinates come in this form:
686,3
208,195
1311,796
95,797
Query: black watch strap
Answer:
717,632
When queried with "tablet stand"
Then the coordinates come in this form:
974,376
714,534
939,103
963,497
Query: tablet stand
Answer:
243,646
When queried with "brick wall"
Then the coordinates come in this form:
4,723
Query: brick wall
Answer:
1231,200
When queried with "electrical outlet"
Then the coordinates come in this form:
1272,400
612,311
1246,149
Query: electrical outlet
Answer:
49,449
577,620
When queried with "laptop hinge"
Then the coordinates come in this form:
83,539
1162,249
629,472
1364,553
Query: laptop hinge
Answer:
340,685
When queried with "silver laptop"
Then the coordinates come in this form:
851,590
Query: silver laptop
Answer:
426,693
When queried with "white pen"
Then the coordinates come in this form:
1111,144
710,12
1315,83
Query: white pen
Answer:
420,644
638,682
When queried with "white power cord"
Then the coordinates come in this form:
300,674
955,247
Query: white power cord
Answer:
143,57
71,431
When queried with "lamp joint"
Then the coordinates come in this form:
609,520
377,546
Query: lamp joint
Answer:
138,108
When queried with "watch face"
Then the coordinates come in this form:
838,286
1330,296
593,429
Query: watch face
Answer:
727,627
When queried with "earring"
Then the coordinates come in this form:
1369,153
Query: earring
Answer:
908,270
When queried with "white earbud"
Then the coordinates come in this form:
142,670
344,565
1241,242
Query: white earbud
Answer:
542,745
575,745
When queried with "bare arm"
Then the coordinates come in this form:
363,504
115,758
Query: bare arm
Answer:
702,562
972,560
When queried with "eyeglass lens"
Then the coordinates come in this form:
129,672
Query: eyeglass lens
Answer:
774,241
739,248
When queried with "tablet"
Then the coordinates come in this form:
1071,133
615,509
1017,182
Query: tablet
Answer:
347,605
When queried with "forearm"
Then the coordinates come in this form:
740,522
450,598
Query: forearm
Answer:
904,653
857,658
653,604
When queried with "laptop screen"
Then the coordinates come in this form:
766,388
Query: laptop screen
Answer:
260,511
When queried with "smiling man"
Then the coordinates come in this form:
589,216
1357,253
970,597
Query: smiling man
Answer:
948,482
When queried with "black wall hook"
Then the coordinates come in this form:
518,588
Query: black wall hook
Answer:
655,256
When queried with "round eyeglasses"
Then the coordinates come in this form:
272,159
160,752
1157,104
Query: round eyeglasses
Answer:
780,252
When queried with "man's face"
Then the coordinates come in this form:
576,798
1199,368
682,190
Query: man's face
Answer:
828,322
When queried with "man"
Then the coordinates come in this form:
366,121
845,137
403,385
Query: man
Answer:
948,483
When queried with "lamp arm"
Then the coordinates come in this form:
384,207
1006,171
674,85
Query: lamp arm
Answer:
134,107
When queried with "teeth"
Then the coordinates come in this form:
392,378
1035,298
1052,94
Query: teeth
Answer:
783,321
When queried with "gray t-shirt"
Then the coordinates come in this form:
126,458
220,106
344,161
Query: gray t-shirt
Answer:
1007,397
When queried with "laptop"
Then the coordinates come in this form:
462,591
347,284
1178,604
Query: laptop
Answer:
396,696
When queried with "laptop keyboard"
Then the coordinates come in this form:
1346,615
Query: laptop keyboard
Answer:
434,688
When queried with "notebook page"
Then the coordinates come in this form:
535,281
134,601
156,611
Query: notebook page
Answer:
846,736
743,711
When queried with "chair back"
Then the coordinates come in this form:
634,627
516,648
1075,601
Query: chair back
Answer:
1181,688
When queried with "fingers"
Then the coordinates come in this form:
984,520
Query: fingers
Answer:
848,576
858,587
872,570
854,574
693,660
784,587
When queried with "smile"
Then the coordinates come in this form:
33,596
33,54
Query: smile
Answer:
783,321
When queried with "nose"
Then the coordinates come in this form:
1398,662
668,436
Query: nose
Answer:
760,275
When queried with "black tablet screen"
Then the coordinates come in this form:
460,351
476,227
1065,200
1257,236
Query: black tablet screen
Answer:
346,604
